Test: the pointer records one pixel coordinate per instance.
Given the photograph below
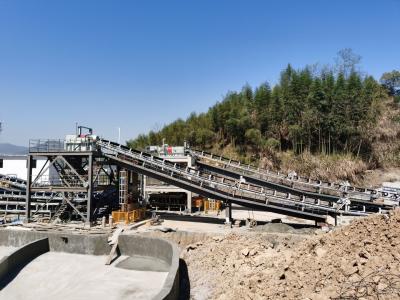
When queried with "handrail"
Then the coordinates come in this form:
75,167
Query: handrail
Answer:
265,174
211,182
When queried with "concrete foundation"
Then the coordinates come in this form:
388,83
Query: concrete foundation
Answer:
58,275
6,251
73,267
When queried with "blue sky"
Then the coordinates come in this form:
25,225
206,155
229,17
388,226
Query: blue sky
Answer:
140,64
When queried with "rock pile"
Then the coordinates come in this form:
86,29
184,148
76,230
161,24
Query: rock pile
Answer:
358,261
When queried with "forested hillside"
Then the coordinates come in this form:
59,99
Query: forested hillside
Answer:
333,111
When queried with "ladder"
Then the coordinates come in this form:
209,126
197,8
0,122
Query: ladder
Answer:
63,207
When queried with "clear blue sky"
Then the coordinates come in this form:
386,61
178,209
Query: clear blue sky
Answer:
140,64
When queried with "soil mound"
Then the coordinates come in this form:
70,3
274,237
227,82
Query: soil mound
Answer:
358,261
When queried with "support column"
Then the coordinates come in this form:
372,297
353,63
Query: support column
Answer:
89,208
144,189
189,202
228,213
123,189
189,194
28,190
141,192
135,191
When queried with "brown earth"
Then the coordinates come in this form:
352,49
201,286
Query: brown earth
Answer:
358,261
375,178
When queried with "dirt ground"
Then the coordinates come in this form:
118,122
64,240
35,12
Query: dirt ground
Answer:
358,261
274,261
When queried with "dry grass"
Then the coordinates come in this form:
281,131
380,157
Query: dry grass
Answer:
385,154
330,168
386,138
227,151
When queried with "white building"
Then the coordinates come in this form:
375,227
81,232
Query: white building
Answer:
16,166
153,187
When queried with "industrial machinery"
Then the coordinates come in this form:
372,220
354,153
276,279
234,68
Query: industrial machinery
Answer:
161,195
291,183
96,176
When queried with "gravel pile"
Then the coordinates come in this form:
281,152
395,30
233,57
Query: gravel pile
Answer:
358,261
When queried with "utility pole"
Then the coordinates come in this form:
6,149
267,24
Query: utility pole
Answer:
119,135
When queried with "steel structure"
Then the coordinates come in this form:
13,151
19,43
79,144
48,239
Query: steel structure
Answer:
11,183
85,178
75,169
290,183
224,188
89,179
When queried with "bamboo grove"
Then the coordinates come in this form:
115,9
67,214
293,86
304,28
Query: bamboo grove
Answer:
327,112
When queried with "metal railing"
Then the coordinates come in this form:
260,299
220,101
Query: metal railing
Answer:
46,145
294,181
219,184
54,145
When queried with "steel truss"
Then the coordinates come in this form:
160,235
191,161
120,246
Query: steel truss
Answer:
81,179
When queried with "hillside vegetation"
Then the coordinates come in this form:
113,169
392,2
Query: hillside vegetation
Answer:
327,124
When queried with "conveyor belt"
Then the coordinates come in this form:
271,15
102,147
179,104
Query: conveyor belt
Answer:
14,202
220,187
291,184
11,183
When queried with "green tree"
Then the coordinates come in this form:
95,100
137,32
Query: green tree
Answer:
391,81
319,111
262,111
254,138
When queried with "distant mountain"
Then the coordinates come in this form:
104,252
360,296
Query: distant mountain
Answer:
10,149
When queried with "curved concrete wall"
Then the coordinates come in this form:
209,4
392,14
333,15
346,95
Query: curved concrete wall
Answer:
161,249
11,264
58,242
33,243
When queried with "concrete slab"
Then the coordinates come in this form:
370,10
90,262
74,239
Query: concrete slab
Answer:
6,250
56,275
141,263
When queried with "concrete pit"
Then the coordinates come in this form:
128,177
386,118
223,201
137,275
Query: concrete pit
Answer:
6,250
57,275
70,266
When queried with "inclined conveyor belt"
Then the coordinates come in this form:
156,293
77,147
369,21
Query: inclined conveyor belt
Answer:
221,187
11,183
294,185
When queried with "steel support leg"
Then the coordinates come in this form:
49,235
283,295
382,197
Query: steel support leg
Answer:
89,209
228,213
189,202
28,190
135,189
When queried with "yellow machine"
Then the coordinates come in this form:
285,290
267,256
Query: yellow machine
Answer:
207,204
129,216
212,205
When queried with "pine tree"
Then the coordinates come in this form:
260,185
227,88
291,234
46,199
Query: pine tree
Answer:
262,110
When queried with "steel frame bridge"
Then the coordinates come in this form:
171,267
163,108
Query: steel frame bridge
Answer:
290,183
79,189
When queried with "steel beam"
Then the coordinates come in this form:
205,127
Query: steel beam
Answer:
73,169
73,206
89,208
28,189
56,153
228,213
59,189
